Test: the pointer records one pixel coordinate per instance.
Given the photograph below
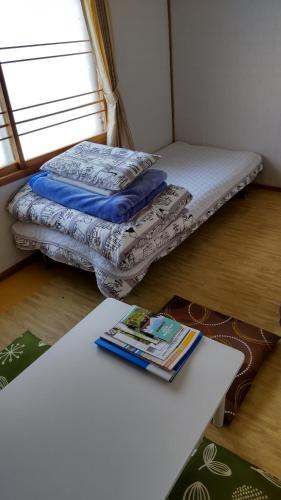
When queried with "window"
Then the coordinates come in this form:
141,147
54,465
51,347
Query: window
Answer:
50,97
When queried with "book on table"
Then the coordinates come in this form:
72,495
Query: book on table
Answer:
152,341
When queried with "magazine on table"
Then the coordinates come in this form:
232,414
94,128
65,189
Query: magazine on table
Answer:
154,325
159,344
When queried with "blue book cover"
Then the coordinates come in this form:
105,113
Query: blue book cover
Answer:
166,375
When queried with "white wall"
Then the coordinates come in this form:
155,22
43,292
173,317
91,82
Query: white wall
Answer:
9,255
142,54
227,70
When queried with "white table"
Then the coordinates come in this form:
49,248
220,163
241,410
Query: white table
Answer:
80,423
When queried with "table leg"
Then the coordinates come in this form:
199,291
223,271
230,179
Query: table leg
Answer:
218,417
192,454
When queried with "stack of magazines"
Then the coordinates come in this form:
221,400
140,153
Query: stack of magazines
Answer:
152,341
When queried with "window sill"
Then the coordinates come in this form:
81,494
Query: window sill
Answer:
13,173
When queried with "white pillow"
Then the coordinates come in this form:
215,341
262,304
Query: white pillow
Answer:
101,166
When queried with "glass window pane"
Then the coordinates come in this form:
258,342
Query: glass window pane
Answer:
2,121
51,120
3,131
54,107
53,138
38,81
43,51
36,21
6,153
49,79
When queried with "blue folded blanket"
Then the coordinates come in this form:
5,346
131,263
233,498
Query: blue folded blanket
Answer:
120,207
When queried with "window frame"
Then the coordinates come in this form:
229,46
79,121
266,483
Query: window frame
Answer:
22,168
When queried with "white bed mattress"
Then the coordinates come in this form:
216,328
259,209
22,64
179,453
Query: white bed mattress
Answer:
212,176
208,173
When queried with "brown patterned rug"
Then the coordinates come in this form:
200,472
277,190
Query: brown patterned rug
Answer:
254,342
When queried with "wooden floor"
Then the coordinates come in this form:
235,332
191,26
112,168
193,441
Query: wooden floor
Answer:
232,264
